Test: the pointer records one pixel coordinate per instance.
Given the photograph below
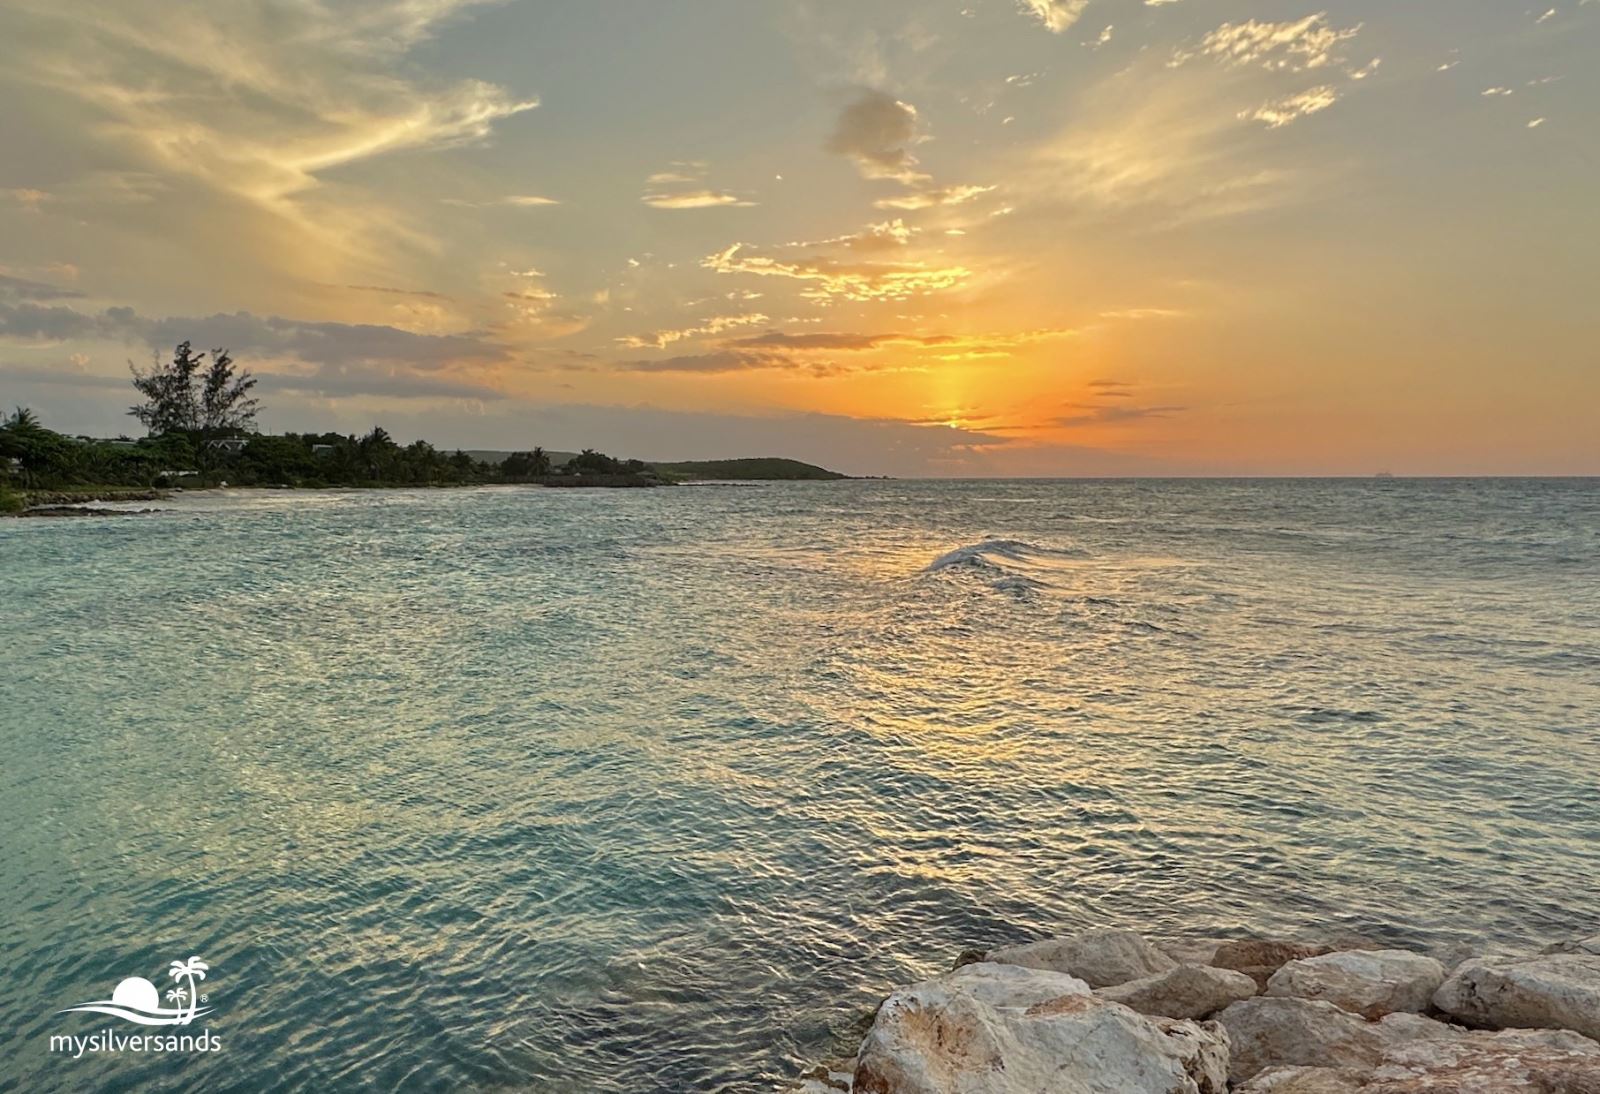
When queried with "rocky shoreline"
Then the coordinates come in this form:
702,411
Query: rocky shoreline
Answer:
1109,1012
81,503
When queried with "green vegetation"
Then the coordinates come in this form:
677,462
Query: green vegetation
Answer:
201,416
764,468
34,459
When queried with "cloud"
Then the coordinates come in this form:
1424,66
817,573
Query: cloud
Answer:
682,186
31,322
1138,314
716,325
1057,15
519,201
1095,414
387,290
933,197
27,197
716,361
21,288
1295,46
825,340
829,279
890,235
1291,108
983,344
257,101
343,381
876,130
315,342
1165,147
695,199
810,351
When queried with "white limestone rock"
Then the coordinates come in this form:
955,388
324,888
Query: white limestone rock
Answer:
1259,958
1280,1032
1101,958
1188,991
1551,991
1512,1062
1370,983
992,1028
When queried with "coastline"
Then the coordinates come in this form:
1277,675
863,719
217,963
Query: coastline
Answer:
91,502
1109,1010
66,502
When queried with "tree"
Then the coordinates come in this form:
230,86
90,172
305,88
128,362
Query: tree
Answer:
226,405
590,462
23,423
526,465
378,450
186,395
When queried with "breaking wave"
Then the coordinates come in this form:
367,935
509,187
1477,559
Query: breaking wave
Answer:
1010,565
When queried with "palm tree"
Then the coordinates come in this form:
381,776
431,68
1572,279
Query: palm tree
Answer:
193,969
179,994
23,420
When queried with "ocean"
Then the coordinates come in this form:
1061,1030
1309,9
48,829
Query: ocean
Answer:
662,790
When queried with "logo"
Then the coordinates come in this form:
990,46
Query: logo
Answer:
137,1000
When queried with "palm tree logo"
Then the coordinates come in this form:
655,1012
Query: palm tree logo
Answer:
192,970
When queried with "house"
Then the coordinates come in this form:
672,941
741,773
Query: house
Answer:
322,450
231,445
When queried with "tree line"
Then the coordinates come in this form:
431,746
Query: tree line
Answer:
200,417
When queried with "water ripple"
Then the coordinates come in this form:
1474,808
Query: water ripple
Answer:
512,789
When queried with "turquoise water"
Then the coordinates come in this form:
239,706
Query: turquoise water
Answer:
520,789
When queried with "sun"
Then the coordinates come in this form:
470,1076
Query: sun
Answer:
137,993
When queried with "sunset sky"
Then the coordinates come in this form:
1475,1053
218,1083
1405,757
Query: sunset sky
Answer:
976,237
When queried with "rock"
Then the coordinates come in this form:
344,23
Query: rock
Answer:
1191,951
1370,983
1259,959
1203,1048
1099,958
1552,991
1489,1064
1188,991
81,511
969,957
829,1078
1305,1080
1278,1032
997,1029
1514,1062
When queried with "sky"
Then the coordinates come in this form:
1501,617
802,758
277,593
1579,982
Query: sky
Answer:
965,238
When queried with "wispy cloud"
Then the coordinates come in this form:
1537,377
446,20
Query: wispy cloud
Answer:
519,201
1292,46
683,187
1291,108
254,100
933,197
830,279
1057,15
1080,414
695,199
715,325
